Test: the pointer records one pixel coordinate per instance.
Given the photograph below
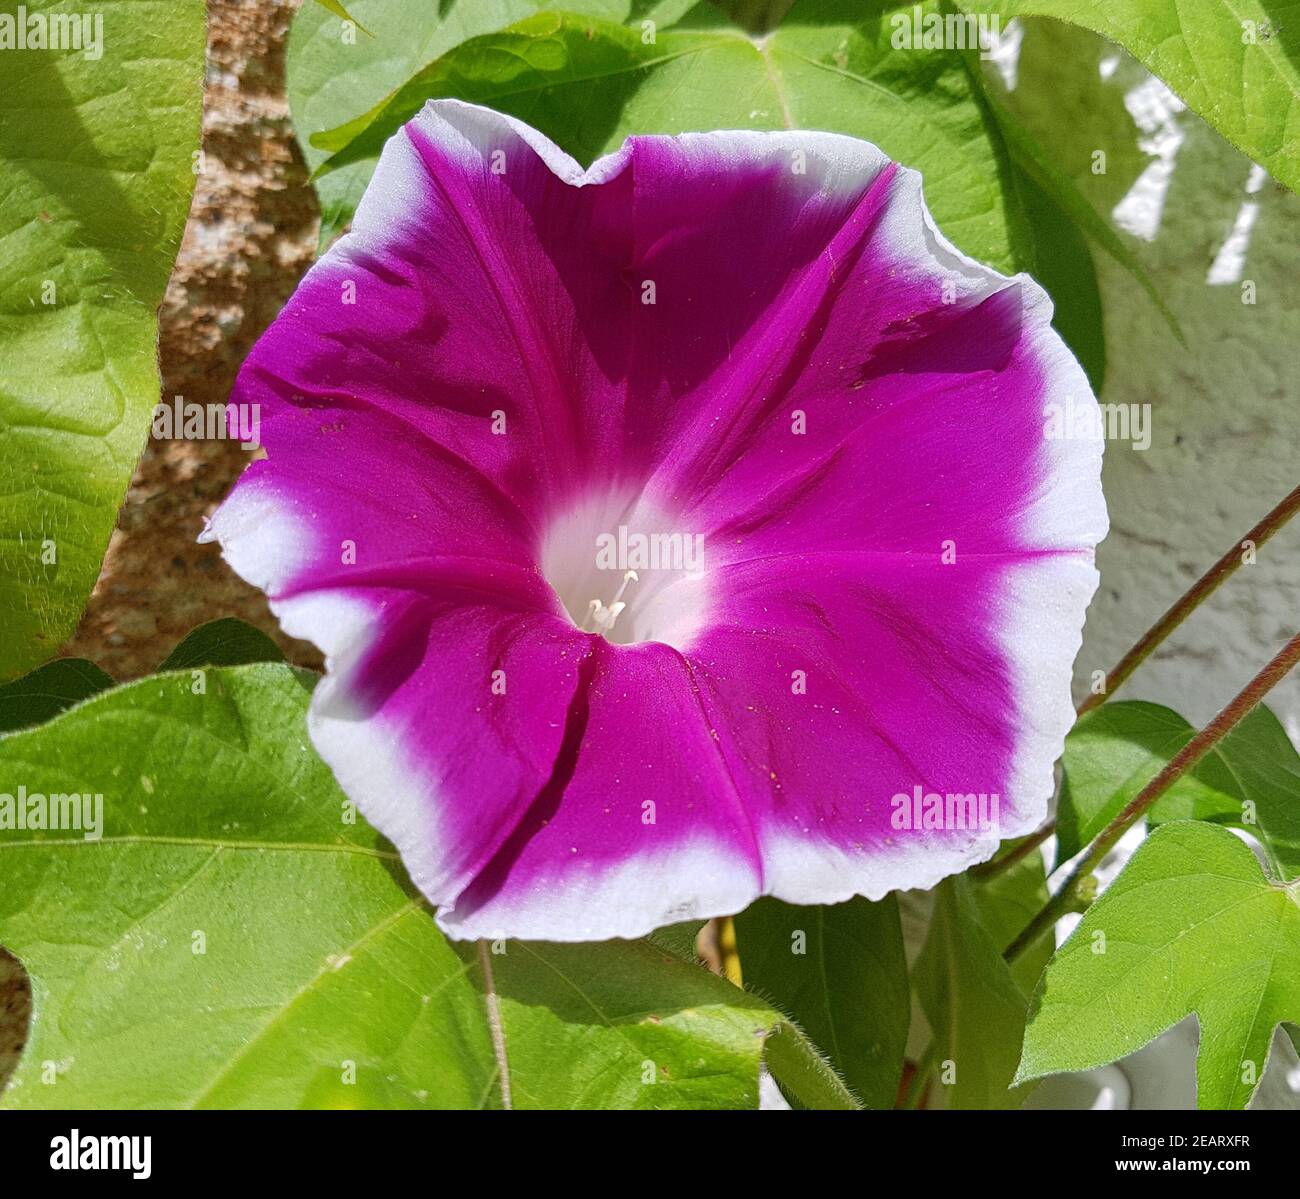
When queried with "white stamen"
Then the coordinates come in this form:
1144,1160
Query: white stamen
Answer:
604,617
630,577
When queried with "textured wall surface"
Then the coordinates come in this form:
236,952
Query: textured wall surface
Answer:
1225,407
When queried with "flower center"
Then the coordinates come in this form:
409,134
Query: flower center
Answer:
623,572
600,617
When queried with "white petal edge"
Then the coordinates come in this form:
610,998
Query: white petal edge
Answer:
691,881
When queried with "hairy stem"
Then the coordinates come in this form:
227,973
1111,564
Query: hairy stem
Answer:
1241,706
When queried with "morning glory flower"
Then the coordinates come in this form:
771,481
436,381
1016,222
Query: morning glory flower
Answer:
676,531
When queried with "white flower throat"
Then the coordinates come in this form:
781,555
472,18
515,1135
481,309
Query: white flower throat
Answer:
622,570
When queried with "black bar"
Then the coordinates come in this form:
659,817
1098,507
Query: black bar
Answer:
428,1150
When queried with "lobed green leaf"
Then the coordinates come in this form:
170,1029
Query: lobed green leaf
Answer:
237,936
1190,926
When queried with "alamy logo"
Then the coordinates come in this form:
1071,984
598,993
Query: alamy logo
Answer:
955,810
189,421
649,551
1095,422
945,31
34,812
53,31
79,1151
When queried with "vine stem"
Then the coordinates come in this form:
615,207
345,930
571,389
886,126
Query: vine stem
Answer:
1197,594
1150,641
495,1024
1246,700
997,865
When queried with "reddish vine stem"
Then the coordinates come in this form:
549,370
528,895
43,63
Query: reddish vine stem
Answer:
1197,594
1246,700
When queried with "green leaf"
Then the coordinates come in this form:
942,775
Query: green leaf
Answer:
1059,211
223,642
1191,926
237,937
1043,236
1111,753
1235,64
333,6
588,84
795,1062
1062,263
840,972
331,78
592,1025
1250,780
975,1009
1006,903
47,691
1258,791
679,939
96,174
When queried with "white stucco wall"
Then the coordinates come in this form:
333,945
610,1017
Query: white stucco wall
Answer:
1225,406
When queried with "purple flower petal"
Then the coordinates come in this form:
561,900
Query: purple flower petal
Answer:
754,346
